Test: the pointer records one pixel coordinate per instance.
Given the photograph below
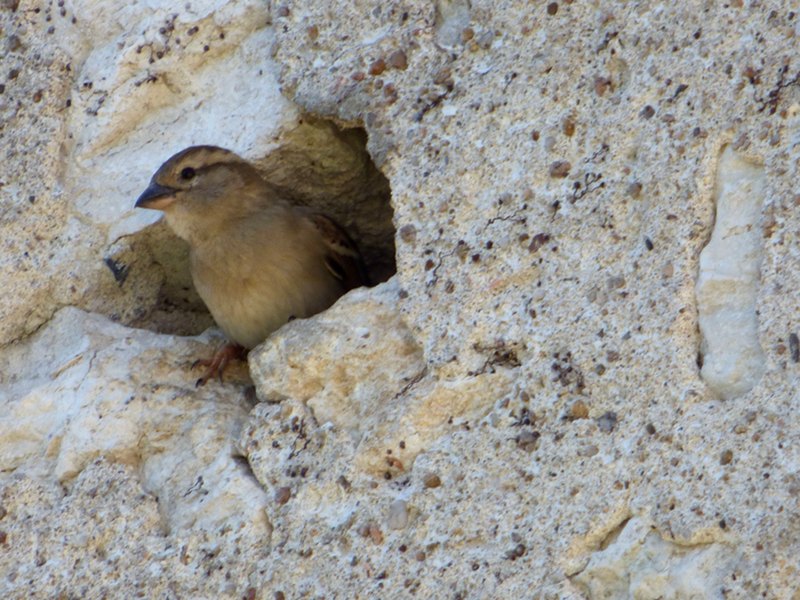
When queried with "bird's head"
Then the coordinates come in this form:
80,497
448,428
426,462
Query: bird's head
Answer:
197,175
199,187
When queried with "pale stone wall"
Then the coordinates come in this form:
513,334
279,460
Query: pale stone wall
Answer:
580,382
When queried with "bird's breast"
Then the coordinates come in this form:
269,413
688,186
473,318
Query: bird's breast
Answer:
253,285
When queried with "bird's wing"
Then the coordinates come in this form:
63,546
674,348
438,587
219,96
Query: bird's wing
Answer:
342,258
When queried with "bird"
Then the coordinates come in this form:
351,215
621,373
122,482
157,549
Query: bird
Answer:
257,259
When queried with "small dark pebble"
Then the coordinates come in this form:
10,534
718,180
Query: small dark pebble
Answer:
539,240
282,494
602,85
528,440
578,410
560,168
431,480
377,67
679,90
568,127
607,422
794,347
516,552
398,60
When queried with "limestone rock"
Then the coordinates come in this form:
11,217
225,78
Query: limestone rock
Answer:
638,563
728,280
328,362
530,415
358,367
84,388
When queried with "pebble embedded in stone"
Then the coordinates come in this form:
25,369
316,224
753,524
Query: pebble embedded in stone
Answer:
560,169
431,480
607,422
398,515
398,60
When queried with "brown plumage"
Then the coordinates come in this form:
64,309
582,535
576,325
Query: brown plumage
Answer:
257,260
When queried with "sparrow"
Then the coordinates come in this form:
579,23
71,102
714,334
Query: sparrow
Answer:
257,260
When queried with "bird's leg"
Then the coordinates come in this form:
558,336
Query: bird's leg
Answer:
217,363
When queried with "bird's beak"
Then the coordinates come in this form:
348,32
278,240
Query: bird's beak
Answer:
157,197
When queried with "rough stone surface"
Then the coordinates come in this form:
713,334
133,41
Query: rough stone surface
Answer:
83,388
525,409
638,563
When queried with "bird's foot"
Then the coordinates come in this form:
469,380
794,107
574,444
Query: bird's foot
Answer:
217,363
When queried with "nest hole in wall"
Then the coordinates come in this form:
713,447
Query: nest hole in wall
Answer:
318,164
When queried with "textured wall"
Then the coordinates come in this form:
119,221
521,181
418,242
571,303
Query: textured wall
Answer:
580,382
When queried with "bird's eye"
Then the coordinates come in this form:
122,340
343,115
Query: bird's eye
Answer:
188,173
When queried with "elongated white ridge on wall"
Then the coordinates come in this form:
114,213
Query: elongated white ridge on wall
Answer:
727,284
